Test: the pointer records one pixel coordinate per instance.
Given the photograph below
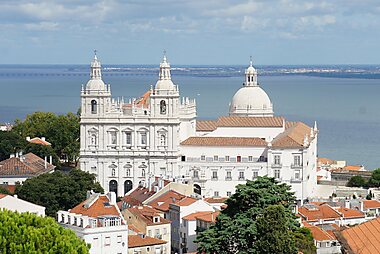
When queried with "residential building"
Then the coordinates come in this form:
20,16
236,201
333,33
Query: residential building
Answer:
204,221
142,244
126,143
99,222
17,169
150,222
15,204
325,242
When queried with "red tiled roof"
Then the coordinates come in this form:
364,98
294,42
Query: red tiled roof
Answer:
318,212
213,200
353,167
100,207
240,121
25,165
143,100
133,228
186,201
223,141
9,187
368,204
319,234
193,216
210,217
293,136
39,141
364,238
3,195
147,213
206,125
138,241
162,202
350,213
326,161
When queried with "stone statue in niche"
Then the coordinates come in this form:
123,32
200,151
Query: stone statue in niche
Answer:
163,107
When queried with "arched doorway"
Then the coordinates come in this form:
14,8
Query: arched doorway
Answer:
128,185
197,189
113,186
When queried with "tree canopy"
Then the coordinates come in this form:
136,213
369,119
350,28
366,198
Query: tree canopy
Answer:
374,181
10,143
62,131
245,225
29,233
58,191
357,181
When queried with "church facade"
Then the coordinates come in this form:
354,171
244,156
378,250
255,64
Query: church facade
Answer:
129,143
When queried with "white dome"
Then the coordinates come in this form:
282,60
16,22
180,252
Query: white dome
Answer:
251,101
95,85
165,84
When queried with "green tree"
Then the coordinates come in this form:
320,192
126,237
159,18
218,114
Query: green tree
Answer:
58,191
41,151
10,143
29,233
4,191
356,181
275,236
374,180
236,229
304,240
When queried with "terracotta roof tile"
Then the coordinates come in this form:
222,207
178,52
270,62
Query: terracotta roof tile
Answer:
364,238
39,141
319,234
9,187
25,165
139,241
353,167
193,216
143,100
162,202
213,200
326,161
315,213
100,207
368,204
186,201
223,141
239,121
206,125
293,136
350,213
147,214
210,217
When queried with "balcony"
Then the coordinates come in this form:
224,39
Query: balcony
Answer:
228,178
295,180
241,179
277,165
296,165
214,178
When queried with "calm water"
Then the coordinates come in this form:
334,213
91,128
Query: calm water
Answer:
347,109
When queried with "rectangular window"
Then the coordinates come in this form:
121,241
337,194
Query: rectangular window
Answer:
128,138
216,193
228,175
277,173
277,160
214,175
227,158
297,174
228,193
241,175
157,232
196,174
183,158
107,241
250,158
216,158
255,174
113,137
149,232
119,238
297,160
203,157
143,138
238,158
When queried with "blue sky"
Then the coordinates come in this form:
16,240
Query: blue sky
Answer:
191,31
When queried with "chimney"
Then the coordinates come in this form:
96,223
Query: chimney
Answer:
361,205
28,138
150,183
88,194
45,162
347,203
112,197
15,196
51,159
160,183
12,155
43,138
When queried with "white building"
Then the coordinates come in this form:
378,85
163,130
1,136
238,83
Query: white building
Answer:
123,143
12,203
98,221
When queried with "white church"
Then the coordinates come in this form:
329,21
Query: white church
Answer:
128,143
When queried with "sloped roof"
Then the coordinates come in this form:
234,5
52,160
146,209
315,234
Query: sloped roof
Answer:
364,238
25,165
147,213
368,204
206,125
315,213
162,202
350,213
293,136
100,207
39,141
214,200
353,167
223,141
210,217
193,216
186,201
326,161
319,234
139,241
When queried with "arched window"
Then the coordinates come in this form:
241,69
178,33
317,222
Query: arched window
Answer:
128,172
113,172
94,107
128,185
197,189
163,140
163,107
113,186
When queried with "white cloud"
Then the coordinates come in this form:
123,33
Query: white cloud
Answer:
43,26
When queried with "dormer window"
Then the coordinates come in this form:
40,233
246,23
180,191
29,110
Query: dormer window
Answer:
94,107
156,219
